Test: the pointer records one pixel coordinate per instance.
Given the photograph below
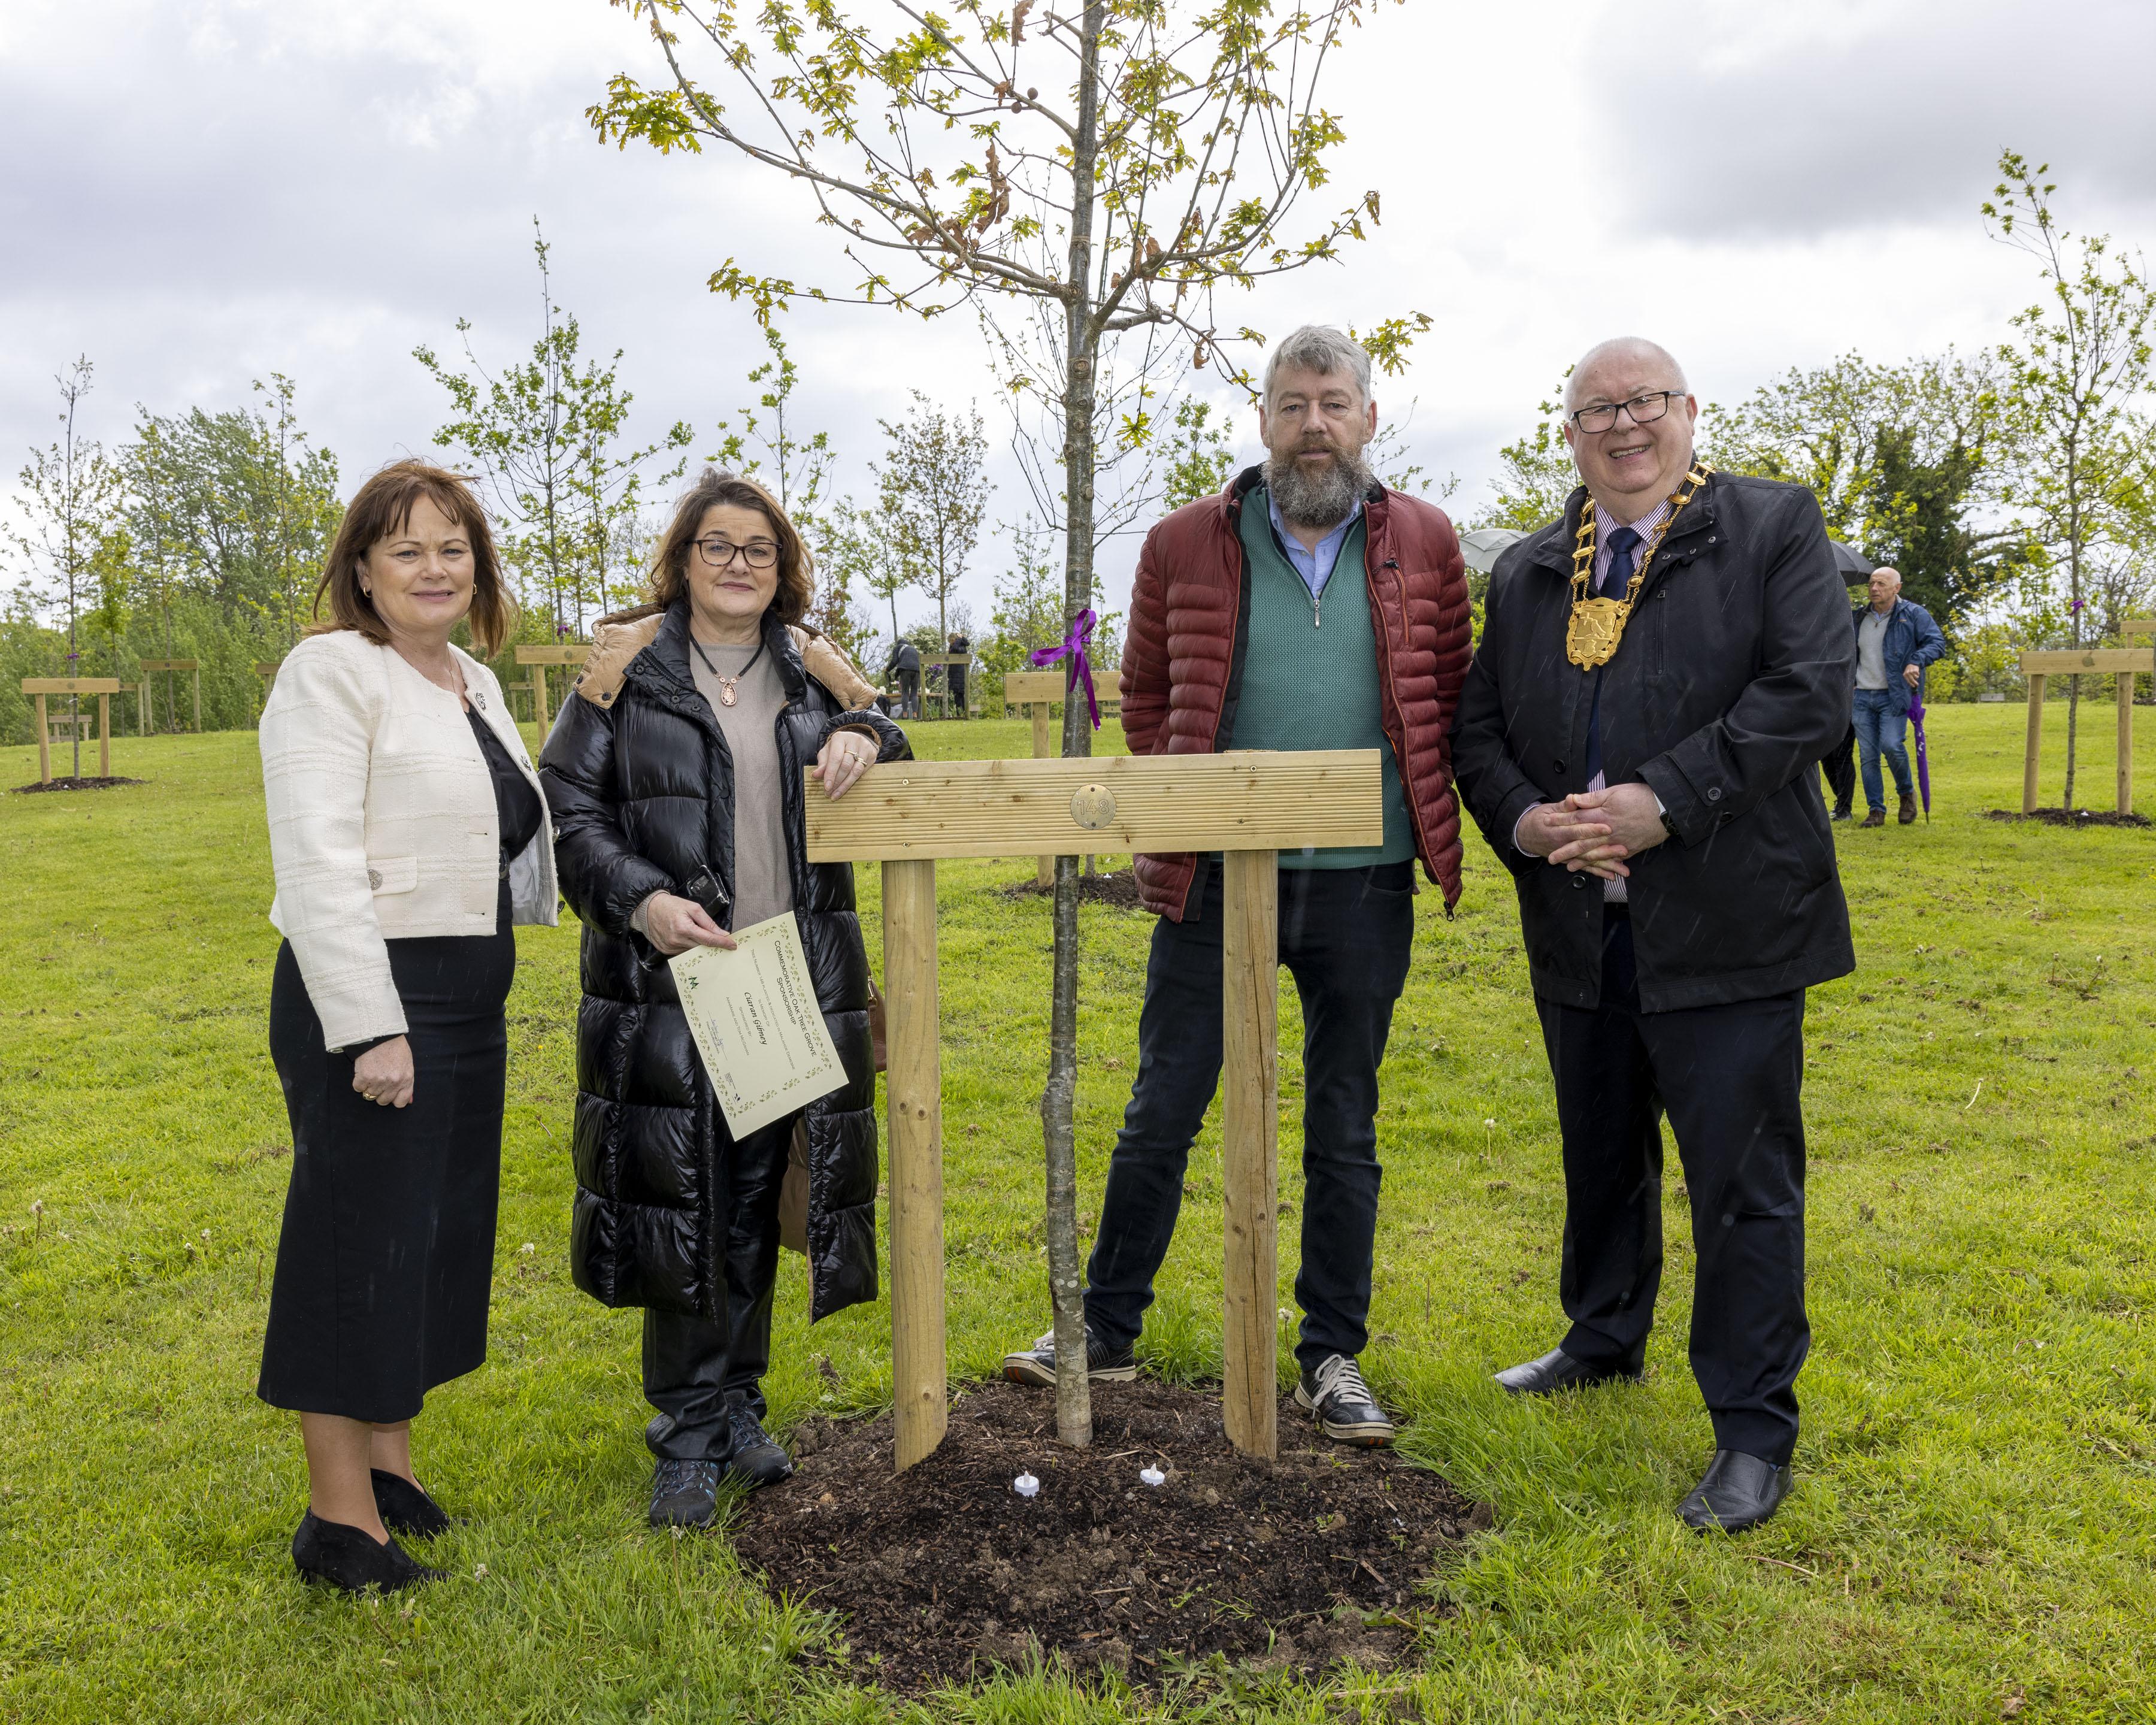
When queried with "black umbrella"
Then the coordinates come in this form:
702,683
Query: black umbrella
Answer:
1850,560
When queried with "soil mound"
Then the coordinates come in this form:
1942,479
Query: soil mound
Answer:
2073,816
1120,890
89,783
944,1571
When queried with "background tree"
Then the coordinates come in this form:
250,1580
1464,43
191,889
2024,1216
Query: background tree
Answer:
143,464
1535,475
932,490
2080,363
542,436
66,507
1099,179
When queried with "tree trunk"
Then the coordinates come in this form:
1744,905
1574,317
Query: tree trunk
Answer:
1074,1399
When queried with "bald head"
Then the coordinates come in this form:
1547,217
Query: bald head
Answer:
1630,355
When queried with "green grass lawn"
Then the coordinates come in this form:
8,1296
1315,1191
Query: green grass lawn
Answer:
1974,1525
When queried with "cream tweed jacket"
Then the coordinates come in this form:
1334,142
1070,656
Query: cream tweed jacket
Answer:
381,822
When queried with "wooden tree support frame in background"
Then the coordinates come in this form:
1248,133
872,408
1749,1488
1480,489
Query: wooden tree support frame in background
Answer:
1249,806
150,667
538,659
1037,691
2125,663
104,688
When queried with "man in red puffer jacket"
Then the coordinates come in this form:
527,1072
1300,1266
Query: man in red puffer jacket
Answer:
1244,635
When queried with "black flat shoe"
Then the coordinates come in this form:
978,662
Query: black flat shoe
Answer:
1737,1492
1558,1370
347,1558
405,1509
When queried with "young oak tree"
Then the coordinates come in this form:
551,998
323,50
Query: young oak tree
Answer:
69,501
2079,368
933,488
1079,174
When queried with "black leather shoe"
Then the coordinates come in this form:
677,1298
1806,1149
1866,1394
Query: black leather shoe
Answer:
685,1494
1841,812
334,1555
405,1509
758,1459
1735,1492
1558,1370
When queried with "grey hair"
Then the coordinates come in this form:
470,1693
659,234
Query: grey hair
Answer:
1318,347
1628,347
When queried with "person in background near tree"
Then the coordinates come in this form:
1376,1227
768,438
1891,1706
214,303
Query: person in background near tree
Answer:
1895,640
1660,672
906,666
674,774
954,676
407,834
1228,649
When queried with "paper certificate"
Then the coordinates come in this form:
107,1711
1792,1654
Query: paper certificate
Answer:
754,1015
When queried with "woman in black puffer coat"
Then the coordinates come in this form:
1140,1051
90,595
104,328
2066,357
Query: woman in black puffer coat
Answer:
675,777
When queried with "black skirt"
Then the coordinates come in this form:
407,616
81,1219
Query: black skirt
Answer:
387,1256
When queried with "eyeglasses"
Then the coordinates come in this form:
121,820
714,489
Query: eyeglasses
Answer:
1645,410
757,553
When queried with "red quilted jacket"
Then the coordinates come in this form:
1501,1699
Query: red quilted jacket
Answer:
1190,621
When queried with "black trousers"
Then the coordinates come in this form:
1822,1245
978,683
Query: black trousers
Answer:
693,1370
385,1262
1728,1077
1841,768
1345,936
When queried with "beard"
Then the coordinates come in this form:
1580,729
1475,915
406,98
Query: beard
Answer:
1320,498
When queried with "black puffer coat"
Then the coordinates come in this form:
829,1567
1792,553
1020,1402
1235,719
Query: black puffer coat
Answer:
641,784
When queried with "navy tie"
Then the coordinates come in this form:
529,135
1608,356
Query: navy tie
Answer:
1622,542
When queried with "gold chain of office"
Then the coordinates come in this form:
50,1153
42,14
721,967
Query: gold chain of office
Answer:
1598,625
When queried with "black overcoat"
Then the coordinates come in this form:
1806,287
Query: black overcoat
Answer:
640,781
1733,678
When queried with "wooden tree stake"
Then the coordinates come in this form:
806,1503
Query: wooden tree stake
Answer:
914,1101
2036,745
1249,1111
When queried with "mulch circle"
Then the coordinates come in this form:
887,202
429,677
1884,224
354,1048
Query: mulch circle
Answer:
91,783
944,1572
2073,816
1119,890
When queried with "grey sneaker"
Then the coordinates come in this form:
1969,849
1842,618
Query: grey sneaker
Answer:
685,1494
758,1459
1036,1365
1346,1411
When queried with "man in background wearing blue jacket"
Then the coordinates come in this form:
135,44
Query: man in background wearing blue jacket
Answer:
1895,640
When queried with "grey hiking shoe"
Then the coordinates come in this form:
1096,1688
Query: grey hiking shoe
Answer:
685,1494
1347,1412
1036,1365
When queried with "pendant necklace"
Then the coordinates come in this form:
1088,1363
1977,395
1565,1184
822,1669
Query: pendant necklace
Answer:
728,686
1597,625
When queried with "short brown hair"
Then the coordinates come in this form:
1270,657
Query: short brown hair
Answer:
714,487
380,508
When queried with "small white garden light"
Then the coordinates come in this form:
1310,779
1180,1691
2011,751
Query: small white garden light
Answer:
1026,1486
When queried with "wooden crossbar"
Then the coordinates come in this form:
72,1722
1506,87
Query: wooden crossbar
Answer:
70,685
905,814
2102,661
170,665
1242,801
2140,626
572,654
1020,687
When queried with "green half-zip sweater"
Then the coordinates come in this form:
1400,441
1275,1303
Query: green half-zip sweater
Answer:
1310,677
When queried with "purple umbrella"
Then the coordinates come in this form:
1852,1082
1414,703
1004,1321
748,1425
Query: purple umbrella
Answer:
1923,756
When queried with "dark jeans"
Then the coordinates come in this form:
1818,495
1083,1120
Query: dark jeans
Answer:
1728,1077
1344,935
1841,768
1882,731
693,1369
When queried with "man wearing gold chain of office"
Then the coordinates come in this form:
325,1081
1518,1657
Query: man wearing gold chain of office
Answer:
1659,674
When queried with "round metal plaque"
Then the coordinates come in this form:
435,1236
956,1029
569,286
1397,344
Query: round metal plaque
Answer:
1093,806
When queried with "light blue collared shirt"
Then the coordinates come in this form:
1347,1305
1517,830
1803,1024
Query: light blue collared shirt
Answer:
1314,566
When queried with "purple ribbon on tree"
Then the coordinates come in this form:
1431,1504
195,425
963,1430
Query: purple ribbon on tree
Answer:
1073,649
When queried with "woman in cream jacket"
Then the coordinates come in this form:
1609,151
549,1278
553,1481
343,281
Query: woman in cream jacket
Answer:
408,834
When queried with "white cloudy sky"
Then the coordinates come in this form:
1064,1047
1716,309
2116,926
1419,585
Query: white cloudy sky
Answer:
197,192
